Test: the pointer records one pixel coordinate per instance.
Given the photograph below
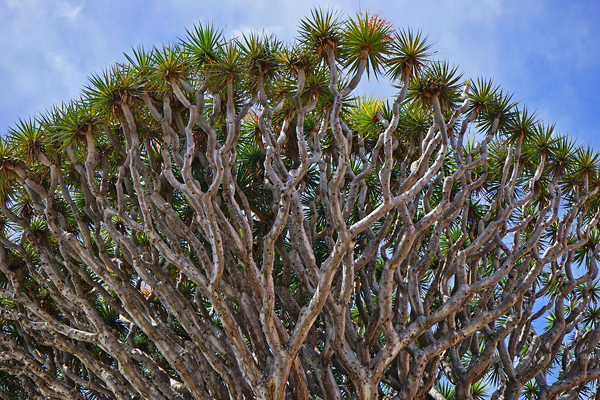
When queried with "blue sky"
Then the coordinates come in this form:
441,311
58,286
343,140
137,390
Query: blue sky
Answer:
547,52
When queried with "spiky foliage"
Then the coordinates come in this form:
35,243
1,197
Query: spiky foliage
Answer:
110,88
202,44
226,68
438,80
364,116
8,161
321,31
366,34
491,106
520,126
261,54
408,54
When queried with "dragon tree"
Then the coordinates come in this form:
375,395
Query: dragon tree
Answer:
228,219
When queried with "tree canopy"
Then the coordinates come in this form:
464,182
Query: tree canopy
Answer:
225,218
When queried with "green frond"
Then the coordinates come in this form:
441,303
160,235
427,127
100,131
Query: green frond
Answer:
116,85
530,391
520,126
168,63
439,80
561,154
203,43
585,165
39,229
226,67
542,138
499,106
371,34
68,124
321,31
317,84
251,175
414,121
446,390
108,314
479,390
363,116
482,95
297,57
260,53
584,254
27,139
592,291
408,54
7,178
550,320
141,60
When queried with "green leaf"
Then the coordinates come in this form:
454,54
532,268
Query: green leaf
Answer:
370,35
321,31
408,54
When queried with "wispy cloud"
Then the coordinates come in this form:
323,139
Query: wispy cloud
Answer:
68,10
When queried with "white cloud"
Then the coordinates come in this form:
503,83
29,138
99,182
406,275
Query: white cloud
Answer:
68,11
